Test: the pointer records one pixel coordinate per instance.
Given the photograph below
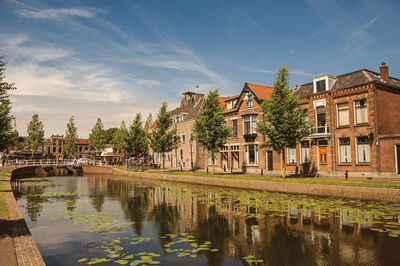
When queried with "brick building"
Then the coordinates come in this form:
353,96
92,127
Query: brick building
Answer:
82,148
189,153
357,124
356,120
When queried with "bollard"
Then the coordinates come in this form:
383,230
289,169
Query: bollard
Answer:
224,168
231,170
347,174
262,171
207,169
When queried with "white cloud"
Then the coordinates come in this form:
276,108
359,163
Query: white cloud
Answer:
58,13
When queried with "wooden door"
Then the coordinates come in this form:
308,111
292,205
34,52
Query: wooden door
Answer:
323,163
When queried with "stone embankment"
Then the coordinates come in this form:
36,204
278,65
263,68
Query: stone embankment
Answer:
364,193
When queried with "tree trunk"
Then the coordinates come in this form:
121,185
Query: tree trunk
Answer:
213,162
284,163
163,160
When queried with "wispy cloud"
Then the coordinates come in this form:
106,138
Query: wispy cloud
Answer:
58,13
354,36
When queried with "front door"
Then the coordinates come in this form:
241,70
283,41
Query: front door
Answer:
323,164
398,158
269,161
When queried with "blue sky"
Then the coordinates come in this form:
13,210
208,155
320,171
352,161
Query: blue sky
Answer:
113,59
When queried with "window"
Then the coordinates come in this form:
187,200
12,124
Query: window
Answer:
305,152
250,124
181,154
361,112
344,150
183,164
179,137
362,150
234,128
343,114
251,154
321,119
291,155
305,114
54,149
321,85
183,116
80,149
210,160
183,137
249,100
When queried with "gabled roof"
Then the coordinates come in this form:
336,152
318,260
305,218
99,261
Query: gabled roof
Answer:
192,110
231,97
262,92
348,80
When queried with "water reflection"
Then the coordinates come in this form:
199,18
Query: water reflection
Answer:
279,228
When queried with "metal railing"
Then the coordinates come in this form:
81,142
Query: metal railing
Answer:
47,162
320,130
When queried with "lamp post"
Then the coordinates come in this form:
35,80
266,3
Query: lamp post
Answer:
191,151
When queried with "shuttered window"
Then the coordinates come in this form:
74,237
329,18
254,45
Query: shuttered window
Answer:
343,114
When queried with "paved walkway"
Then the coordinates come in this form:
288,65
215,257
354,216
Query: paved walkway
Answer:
17,246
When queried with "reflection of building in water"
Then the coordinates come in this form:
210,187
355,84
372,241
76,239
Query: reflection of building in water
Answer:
249,229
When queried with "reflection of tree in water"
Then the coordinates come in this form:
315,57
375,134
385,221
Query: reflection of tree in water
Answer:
214,228
135,208
285,246
33,202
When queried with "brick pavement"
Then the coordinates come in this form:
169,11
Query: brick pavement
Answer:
18,247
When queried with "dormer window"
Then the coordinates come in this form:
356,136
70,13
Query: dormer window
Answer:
323,83
176,119
183,116
321,86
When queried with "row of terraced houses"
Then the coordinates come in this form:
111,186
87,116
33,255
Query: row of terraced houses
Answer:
356,119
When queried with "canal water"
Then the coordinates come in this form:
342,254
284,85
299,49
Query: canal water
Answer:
117,220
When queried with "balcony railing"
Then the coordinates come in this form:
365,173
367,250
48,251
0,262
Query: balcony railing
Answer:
320,131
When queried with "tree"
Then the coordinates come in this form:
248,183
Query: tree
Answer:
163,139
210,128
146,128
7,133
137,143
35,133
71,138
284,120
97,139
109,134
120,138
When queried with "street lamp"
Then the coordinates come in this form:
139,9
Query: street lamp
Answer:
191,150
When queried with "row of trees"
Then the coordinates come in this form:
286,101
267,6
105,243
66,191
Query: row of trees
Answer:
284,124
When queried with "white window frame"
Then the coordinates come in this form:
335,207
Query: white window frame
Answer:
337,115
237,127
289,154
355,112
247,154
301,153
369,153
339,151
209,161
253,124
250,100
183,137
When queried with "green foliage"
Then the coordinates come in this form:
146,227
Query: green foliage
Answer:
35,133
7,133
210,128
97,138
147,125
164,139
71,137
137,140
284,120
109,134
120,137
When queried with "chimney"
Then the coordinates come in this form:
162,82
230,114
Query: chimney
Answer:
384,69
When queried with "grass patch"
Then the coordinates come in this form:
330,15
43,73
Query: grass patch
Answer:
314,180
124,168
3,201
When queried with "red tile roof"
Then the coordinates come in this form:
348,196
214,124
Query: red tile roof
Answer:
82,141
232,97
222,103
262,92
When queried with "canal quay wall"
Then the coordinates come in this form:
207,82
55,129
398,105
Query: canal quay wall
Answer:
363,193
17,245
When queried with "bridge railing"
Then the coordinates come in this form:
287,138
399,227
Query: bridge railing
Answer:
46,162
